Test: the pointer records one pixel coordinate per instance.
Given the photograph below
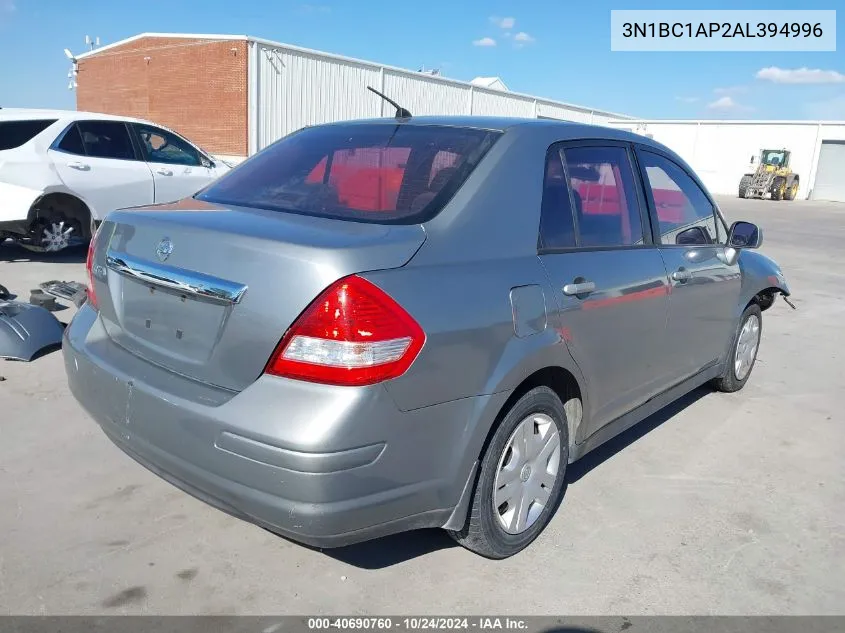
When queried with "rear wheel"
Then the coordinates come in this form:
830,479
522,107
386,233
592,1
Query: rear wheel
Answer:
743,353
521,481
744,184
54,233
60,220
792,191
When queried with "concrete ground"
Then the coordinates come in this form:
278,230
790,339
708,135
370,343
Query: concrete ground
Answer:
723,504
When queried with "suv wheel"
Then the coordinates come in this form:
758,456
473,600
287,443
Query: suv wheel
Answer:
522,477
743,351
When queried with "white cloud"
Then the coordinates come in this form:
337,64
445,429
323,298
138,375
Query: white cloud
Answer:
802,75
687,99
727,104
730,90
522,36
503,23
484,41
828,110
314,8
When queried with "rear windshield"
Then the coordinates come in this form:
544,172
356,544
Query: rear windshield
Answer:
379,172
15,133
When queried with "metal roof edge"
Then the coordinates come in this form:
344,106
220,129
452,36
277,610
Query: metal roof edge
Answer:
726,122
405,71
342,58
186,36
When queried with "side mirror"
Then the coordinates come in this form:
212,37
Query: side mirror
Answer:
693,236
752,159
206,162
745,235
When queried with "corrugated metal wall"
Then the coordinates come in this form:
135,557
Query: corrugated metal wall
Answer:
720,152
421,95
291,88
295,90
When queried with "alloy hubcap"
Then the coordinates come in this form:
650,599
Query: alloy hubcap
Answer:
56,237
527,472
746,347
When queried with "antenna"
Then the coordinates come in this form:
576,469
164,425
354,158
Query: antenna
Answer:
401,113
69,55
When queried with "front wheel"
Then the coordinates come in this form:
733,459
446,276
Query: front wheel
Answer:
521,481
743,353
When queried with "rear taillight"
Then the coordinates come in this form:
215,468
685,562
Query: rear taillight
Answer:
89,266
352,334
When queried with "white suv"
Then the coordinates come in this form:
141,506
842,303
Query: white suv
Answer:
61,172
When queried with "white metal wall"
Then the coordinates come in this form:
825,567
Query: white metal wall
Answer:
720,151
296,89
291,88
830,175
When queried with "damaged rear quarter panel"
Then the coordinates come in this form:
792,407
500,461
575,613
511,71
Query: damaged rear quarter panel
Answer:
23,180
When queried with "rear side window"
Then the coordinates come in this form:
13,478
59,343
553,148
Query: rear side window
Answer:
376,172
106,139
15,133
557,227
606,207
680,204
72,142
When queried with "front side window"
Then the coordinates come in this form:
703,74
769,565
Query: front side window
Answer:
377,172
15,133
686,216
106,139
160,146
604,196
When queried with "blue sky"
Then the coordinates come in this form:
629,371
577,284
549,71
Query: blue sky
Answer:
553,48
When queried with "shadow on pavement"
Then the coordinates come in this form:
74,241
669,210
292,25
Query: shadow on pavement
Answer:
604,452
398,548
14,253
392,550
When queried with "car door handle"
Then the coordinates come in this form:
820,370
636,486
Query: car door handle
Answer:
582,288
681,275
164,172
79,166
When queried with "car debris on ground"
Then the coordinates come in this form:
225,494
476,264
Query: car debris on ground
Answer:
26,330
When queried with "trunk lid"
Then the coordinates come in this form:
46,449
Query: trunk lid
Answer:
208,291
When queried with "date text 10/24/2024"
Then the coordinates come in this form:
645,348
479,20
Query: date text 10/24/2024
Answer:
417,623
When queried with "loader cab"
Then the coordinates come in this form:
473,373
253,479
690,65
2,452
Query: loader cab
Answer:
777,158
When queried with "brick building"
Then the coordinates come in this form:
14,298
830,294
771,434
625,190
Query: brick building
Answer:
196,86
234,94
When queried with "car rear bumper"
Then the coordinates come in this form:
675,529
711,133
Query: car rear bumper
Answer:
326,466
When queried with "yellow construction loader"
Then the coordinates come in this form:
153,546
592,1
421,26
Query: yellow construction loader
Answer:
772,178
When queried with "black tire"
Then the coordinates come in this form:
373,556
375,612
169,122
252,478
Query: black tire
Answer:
728,382
744,184
482,532
779,189
792,190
